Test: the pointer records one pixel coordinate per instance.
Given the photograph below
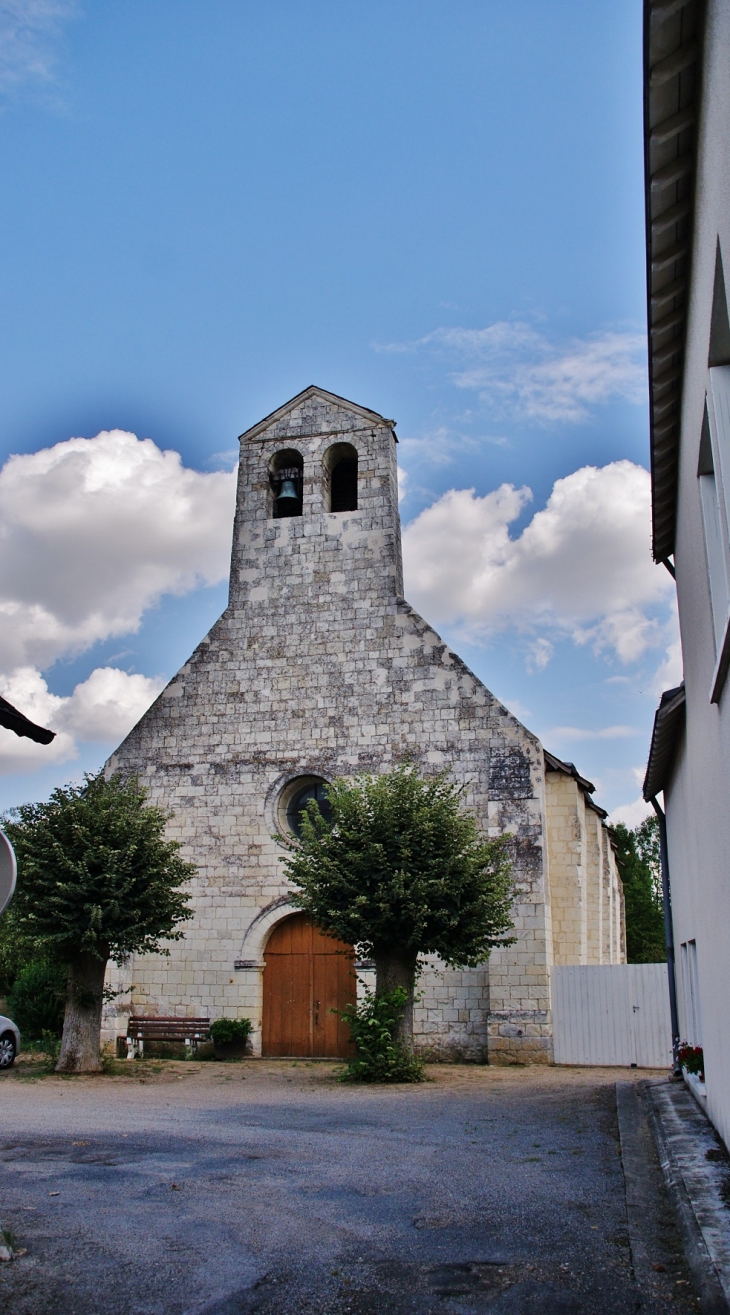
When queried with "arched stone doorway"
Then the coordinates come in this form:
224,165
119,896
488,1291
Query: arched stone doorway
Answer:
307,976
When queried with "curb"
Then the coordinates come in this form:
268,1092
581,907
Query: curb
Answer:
707,1265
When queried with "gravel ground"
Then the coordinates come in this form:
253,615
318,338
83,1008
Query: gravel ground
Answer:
265,1186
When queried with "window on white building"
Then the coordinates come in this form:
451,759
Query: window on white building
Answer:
715,537
691,993
713,472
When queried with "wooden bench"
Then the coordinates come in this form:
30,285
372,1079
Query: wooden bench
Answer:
188,1031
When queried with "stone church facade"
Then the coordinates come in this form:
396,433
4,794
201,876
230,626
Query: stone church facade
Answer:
320,668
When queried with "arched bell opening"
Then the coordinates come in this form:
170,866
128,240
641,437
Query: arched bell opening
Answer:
286,483
309,979
340,465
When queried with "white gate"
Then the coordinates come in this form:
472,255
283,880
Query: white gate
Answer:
612,1014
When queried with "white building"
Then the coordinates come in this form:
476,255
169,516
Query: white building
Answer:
687,94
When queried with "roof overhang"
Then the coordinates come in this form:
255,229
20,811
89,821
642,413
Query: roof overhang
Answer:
13,720
668,726
673,31
553,764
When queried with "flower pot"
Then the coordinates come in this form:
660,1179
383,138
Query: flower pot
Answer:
235,1049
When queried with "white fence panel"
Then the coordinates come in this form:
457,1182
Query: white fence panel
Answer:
614,1014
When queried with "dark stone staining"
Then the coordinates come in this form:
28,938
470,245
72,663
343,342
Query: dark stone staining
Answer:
509,775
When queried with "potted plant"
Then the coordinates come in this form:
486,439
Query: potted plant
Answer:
230,1037
692,1059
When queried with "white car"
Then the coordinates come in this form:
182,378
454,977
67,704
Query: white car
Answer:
9,1042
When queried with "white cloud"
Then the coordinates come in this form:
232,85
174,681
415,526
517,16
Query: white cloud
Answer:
27,690
103,708
226,460
93,532
443,446
511,364
518,709
631,814
577,733
581,568
539,653
29,36
669,674
107,704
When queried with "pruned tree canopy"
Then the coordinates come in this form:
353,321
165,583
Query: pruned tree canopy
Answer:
403,865
401,870
95,872
97,880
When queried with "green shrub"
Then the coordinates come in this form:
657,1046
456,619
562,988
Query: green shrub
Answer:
37,1001
224,1030
14,952
380,1058
50,1044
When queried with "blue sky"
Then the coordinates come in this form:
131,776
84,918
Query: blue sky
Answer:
434,209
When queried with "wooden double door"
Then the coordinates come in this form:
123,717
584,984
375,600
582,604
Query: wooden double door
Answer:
307,976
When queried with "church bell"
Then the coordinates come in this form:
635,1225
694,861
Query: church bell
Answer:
287,492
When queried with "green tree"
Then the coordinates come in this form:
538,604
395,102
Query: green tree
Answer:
637,856
401,870
97,880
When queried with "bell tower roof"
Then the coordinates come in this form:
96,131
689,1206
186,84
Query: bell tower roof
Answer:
299,425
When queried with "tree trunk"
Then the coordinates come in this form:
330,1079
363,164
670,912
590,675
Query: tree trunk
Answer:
80,1043
397,968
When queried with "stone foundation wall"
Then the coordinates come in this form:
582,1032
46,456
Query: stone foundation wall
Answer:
450,1021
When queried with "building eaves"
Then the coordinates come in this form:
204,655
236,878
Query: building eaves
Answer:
553,764
668,725
673,31
15,721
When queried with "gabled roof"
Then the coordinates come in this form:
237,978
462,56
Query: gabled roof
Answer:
668,724
673,31
342,403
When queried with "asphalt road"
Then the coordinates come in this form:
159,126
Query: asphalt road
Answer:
214,1189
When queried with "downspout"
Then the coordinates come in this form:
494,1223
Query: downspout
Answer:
668,932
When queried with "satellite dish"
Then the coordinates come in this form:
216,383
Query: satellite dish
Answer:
8,871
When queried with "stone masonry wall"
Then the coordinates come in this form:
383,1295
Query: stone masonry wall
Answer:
566,857
594,878
319,666
586,895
